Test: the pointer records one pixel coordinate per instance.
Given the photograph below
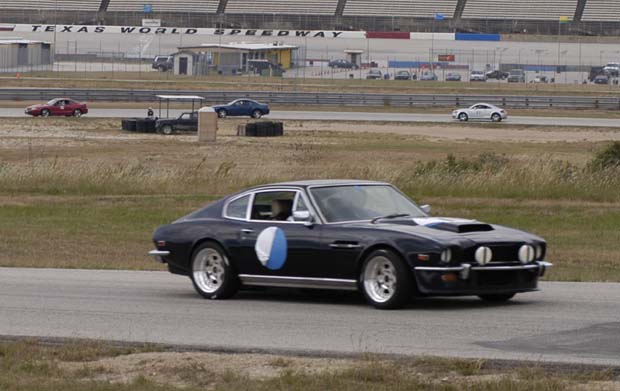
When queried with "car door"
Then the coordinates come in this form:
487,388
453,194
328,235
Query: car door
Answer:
236,108
287,248
485,112
183,122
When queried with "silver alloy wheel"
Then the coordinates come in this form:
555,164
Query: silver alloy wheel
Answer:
496,117
45,113
222,113
380,279
167,130
209,268
77,113
463,117
257,114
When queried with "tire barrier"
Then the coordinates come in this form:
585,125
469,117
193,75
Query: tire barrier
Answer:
261,129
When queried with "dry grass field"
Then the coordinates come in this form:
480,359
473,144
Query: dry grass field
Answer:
83,365
83,194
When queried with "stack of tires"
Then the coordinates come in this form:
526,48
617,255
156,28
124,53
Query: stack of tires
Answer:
144,125
264,129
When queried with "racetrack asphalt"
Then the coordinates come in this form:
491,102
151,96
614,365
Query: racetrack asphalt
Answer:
564,322
359,116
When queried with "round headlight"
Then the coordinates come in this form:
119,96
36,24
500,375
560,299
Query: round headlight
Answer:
483,255
446,256
526,253
539,252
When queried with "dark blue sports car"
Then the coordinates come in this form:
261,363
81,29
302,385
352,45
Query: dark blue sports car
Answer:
242,108
351,235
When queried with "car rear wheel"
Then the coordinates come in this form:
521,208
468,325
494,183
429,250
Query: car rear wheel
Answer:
496,117
45,113
497,298
463,117
385,280
222,113
77,113
257,114
166,130
212,275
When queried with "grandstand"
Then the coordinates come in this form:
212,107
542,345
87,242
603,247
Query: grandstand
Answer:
205,6
412,8
601,10
519,9
285,7
591,17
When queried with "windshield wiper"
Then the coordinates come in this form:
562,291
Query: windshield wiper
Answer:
392,216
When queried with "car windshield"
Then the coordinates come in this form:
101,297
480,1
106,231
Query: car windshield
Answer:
362,202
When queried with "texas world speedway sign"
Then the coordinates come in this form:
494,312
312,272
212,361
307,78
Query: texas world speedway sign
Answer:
139,30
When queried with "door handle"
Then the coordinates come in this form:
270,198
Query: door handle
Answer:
247,231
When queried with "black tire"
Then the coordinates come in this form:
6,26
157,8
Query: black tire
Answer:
497,298
45,113
495,117
166,130
221,113
385,280
77,113
463,117
221,280
257,114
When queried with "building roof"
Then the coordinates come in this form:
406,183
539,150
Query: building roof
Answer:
14,41
241,46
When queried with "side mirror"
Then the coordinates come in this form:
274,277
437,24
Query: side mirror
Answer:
426,208
303,215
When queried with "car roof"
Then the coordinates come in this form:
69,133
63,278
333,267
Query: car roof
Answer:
483,103
322,182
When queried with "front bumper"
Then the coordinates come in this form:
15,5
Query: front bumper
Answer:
159,255
475,280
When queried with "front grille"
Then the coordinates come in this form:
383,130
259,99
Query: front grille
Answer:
502,253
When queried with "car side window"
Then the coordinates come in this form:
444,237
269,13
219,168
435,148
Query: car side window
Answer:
238,209
185,116
273,205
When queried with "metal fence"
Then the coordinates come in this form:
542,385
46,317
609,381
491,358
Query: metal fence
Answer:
328,99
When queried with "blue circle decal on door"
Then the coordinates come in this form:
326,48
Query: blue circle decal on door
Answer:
271,248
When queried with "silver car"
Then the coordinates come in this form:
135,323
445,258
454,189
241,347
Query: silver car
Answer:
477,76
481,111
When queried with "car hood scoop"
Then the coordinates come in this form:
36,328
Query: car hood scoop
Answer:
453,225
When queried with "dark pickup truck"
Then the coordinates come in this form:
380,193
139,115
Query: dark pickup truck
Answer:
185,122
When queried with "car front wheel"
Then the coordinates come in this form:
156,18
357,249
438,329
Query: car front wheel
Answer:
212,275
77,113
463,117
496,117
257,114
167,130
222,113
385,280
45,113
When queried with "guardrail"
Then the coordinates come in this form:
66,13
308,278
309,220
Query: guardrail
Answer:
321,98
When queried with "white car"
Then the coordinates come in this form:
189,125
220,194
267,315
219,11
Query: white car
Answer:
612,68
481,111
477,76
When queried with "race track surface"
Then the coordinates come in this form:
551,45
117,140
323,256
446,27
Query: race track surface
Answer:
565,322
358,116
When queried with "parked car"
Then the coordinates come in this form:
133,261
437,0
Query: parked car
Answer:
480,111
374,74
259,66
612,69
163,63
185,122
477,76
453,76
541,79
242,108
497,74
349,235
402,75
594,72
601,79
58,107
516,76
341,63
428,76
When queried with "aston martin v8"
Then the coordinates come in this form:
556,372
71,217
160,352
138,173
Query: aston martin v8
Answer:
350,235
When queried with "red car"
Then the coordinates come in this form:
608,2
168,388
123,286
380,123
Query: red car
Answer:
58,106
